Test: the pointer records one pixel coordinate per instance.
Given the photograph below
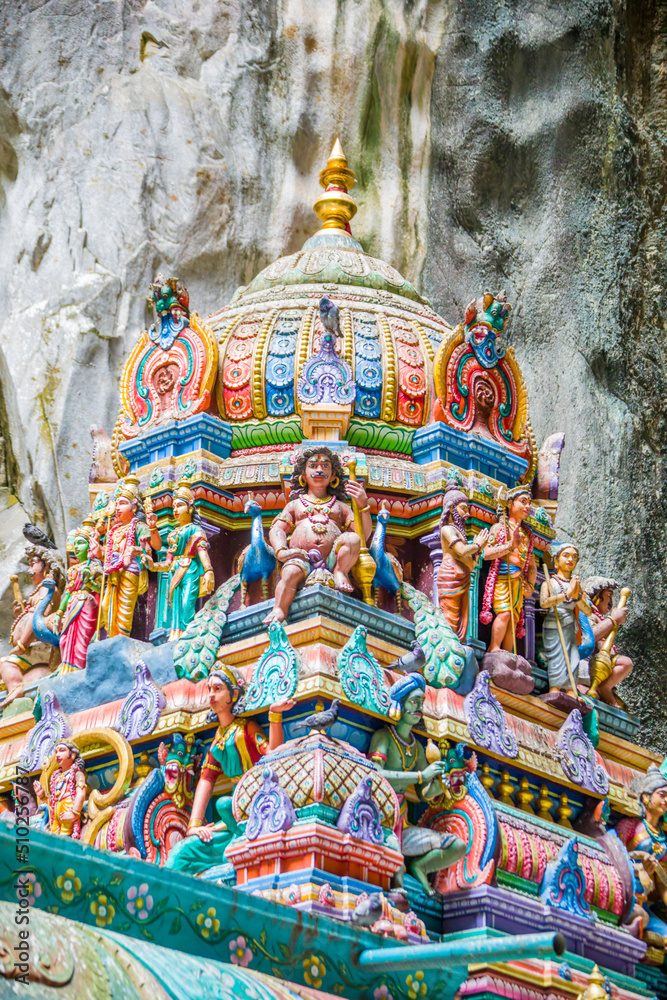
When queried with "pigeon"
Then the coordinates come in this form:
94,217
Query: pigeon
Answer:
368,909
319,720
412,662
329,316
37,536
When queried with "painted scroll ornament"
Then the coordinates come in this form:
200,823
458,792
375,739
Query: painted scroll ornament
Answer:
139,713
487,721
271,809
578,756
360,674
275,676
52,727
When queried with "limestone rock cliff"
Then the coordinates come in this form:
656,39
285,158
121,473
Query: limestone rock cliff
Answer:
496,145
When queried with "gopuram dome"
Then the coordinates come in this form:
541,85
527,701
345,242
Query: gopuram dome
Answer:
271,328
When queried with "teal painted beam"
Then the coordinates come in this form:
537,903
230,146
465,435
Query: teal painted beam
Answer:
464,952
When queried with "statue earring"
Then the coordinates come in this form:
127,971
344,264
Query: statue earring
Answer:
334,482
302,482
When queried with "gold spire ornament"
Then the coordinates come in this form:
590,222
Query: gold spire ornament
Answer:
336,207
595,989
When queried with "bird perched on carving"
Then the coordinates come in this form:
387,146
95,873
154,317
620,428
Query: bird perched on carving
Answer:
257,561
37,536
412,662
330,316
319,721
388,570
368,909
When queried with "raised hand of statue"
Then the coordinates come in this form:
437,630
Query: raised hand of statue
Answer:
574,590
282,706
434,770
151,520
481,538
516,537
619,615
357,492
209,581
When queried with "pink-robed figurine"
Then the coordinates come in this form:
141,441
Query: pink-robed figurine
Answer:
79,608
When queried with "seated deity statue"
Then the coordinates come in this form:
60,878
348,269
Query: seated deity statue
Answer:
459,558
563,595
512,573
401,759
312,537
67,791
188,562
646,841
31,658
239,743
604,621
127,545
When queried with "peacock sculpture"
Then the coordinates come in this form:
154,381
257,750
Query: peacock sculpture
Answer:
257,561
388,570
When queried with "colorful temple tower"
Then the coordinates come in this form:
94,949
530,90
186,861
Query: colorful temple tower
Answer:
319,705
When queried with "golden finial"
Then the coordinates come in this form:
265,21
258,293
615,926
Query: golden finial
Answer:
595,989
544,804
336,207
564,812
487,778
524,796
505,789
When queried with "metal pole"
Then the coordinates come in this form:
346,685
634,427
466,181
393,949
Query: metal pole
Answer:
463,952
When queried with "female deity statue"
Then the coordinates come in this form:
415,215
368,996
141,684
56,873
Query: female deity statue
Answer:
564,597
188,562
79,608
512,574
459,558
30,658
401,759
312,534
67,790
606,619
237,746
646,840
125,559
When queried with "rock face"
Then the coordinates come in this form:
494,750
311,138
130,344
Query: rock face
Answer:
495,145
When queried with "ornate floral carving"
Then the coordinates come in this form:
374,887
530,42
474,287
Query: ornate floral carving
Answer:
360,816
139,713
486,719
578,756
564,885
52,726
271,810
360,674
326,378
276,673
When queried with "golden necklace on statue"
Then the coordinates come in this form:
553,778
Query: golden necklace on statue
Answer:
318,511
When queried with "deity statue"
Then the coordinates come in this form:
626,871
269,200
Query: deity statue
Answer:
459,558
562,597
79,608
512,574
646,840
125,560
401,759
312,537
30,657
604,622
239,743
188,562
67,790
484,398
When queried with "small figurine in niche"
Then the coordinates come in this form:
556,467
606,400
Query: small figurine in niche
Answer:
311,537
562,597
188,562
484,397
512,574
238,745
127,544
31,658
79,608
401,759
67,791
604,623
646,842
459,558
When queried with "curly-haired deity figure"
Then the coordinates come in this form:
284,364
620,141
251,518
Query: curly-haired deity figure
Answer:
67,790
459,558
312,537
